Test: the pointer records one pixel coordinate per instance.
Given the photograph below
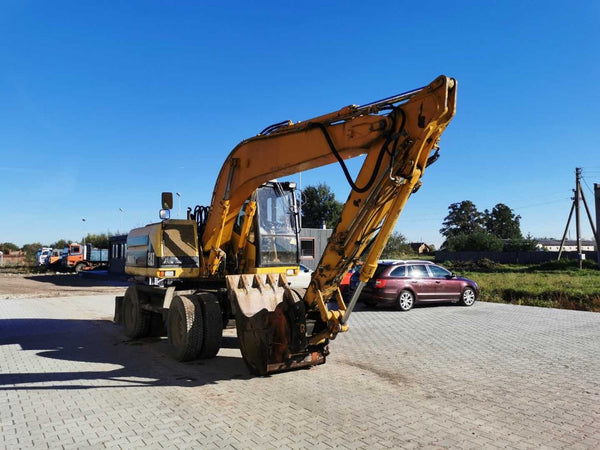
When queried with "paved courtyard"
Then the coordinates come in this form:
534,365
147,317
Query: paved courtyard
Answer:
489,376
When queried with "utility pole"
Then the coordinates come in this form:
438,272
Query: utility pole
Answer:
575,207
597,197
577,216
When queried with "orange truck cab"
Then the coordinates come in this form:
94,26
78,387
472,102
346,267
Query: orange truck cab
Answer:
83,257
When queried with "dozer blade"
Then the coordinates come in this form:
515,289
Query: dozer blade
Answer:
271,324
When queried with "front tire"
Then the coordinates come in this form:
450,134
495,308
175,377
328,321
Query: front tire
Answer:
467,297
135,319
406,300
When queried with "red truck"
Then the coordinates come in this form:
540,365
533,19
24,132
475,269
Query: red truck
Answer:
83,257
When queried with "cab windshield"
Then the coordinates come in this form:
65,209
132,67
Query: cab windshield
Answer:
276,221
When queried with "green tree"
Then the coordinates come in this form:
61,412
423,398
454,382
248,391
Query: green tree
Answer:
7,247
319,205
61,243
503,223
30,250
462,218
97,240
477,241
527,244
397,247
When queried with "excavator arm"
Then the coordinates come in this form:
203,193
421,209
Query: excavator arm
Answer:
398,136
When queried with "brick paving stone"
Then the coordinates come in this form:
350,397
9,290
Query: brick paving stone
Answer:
489,376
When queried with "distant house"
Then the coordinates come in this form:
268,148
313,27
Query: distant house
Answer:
553,245
420,248
13,258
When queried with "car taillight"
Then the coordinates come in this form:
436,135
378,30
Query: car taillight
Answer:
379,283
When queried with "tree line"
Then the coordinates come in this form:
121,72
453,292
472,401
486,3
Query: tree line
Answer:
465,228
97,240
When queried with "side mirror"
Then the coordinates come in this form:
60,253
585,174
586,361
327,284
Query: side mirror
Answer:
164,214
167,200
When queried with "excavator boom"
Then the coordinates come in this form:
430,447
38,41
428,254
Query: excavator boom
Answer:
398,135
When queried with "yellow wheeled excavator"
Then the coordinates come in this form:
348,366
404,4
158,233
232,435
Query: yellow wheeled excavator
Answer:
229,260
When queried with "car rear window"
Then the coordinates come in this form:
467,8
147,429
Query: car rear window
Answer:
399,271
379,270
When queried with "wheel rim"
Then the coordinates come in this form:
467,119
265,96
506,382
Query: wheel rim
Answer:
468,297
406,300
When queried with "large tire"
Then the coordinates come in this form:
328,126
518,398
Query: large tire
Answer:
184,327
212,325
406,300
467,298
135,319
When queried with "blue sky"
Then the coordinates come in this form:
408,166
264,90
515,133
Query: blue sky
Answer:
106,104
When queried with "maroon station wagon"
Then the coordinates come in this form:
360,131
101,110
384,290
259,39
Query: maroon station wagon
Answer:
406,283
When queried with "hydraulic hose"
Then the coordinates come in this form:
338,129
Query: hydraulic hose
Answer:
384,148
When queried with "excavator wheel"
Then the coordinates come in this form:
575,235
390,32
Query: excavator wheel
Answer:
135,319
185,327
212,325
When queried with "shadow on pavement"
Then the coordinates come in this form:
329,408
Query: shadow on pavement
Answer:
89,354
84,279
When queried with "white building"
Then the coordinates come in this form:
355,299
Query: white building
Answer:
553,245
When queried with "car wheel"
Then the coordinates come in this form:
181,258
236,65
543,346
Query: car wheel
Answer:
406,300
468,297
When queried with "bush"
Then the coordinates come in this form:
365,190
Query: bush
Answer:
473,242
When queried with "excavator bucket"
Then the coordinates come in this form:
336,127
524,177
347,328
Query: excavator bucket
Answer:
272,323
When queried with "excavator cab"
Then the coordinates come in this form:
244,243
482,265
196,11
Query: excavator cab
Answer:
277,225
266,231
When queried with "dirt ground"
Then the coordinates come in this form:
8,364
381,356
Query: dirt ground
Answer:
58,285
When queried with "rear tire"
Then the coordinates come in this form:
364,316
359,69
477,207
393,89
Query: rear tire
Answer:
184,327
406,300
467,298
135,319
